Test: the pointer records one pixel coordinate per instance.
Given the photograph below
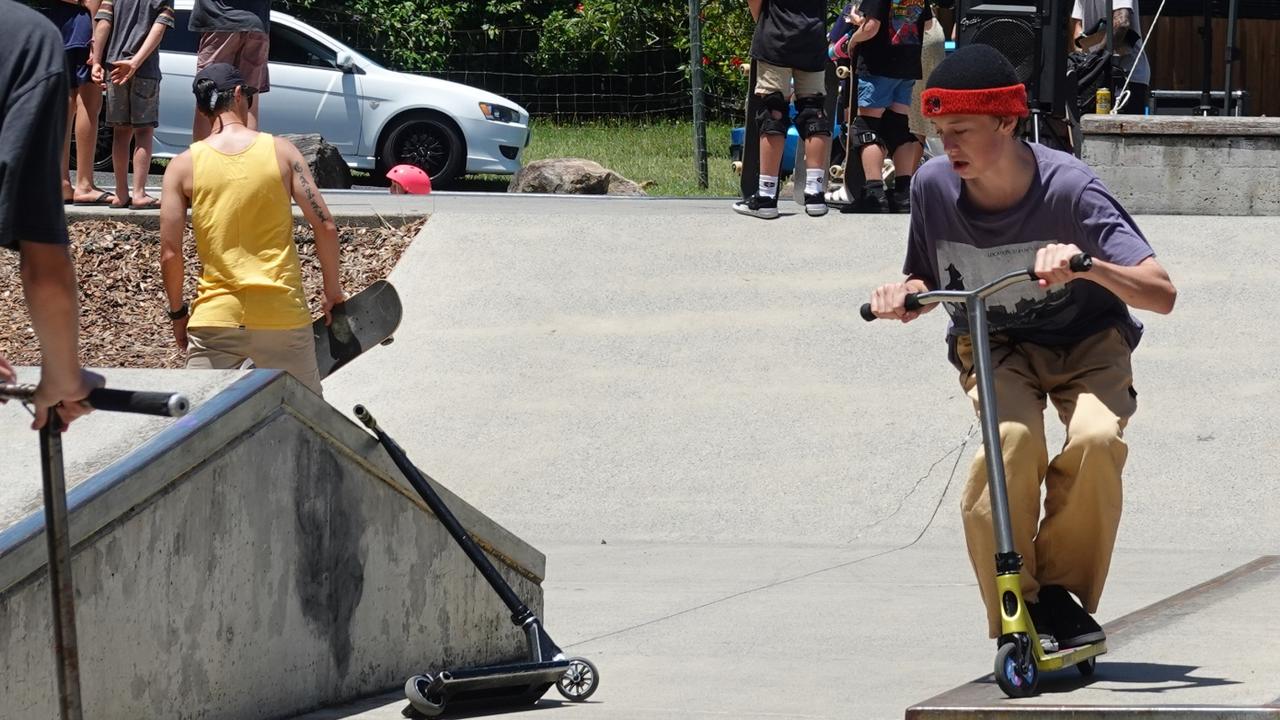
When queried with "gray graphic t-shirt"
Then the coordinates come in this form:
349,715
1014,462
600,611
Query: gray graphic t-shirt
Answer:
953,246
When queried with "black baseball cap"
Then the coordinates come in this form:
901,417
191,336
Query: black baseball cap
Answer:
224,77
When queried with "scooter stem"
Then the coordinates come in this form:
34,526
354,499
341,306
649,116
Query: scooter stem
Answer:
990,420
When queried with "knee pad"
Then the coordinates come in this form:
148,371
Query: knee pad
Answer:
774,115
866,131
895,129
811,116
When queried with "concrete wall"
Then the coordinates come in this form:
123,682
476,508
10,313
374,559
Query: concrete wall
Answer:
1187,165
258,561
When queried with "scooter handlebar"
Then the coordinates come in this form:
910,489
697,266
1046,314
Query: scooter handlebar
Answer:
1080,263
130,401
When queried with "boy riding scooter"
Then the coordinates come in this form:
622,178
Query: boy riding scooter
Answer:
996,204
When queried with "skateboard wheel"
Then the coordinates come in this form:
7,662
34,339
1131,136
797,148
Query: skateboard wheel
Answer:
842,72
837,171
737,166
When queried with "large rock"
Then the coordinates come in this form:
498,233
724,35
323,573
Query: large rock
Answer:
573,176
327,165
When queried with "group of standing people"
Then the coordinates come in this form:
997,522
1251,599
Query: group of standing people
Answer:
250,308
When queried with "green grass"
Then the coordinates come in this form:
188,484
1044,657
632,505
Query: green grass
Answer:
658,155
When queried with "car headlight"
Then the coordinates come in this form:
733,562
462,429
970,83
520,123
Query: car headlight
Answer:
499,113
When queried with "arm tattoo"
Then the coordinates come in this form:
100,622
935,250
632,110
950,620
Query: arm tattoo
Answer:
300,172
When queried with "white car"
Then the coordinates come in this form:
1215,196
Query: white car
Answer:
377,118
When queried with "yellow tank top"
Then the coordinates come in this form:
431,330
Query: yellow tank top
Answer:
243,223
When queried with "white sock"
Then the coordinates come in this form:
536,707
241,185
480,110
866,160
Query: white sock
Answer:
814,178
768,186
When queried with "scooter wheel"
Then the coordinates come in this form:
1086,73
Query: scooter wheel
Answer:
1086,667
580,681
1016,678
415,690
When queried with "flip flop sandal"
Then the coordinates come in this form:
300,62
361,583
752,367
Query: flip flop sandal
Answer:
103,199
154,204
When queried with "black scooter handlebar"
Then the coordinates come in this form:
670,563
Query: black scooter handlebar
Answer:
1080,263
111,400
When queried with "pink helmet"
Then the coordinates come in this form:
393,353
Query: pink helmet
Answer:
412,178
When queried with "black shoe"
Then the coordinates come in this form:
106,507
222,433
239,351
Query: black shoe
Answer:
758,206
1044,626
872,201
1071,624
900,198
815,205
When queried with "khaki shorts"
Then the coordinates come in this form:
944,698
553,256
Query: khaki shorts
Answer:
775,78
247,51
219,348
135,103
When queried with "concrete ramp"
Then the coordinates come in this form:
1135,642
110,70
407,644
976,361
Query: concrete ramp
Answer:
259,558
1202,654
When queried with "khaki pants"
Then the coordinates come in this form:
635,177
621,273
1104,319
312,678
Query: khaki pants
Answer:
1091,386
219,348
775,78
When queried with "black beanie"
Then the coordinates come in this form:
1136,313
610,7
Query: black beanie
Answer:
975,80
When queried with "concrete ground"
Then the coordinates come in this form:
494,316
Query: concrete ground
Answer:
748,496
727,468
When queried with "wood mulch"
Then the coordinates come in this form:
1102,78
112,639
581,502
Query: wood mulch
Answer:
122,301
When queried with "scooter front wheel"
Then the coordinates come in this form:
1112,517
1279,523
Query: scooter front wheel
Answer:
580,681
1016,675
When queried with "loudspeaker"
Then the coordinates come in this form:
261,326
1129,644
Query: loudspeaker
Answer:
1032,34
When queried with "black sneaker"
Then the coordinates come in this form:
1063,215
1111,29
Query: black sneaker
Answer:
1044,626
1072,625
900,202
872,201
815,204
758,206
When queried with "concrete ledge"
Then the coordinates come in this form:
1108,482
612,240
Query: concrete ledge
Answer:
980,699
258,558
1187,165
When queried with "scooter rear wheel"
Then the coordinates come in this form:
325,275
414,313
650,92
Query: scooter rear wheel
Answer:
580,681
1086,667
1014,676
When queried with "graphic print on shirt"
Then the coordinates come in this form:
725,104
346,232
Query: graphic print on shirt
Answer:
964,267
906,21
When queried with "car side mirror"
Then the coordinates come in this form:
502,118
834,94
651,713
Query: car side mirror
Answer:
346,62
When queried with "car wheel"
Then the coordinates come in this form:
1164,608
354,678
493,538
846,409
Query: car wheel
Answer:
430,142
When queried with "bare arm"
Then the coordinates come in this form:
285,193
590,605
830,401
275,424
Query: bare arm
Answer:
1145,286
755,6
101,32
866,31
122,70
305,193
176,194
49,282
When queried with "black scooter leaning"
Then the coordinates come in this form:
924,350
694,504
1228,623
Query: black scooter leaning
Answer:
1020,658
522,683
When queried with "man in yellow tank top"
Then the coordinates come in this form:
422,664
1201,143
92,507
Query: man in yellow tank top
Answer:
250,303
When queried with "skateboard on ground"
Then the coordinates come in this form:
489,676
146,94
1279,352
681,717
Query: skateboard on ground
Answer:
798,171
368,318
750,163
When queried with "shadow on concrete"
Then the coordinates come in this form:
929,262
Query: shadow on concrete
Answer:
1134,673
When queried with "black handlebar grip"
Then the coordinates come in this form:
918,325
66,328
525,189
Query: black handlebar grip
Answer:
1081,263
866,312
144,403
911,303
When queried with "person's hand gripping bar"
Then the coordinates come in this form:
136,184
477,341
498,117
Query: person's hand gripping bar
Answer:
915,302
